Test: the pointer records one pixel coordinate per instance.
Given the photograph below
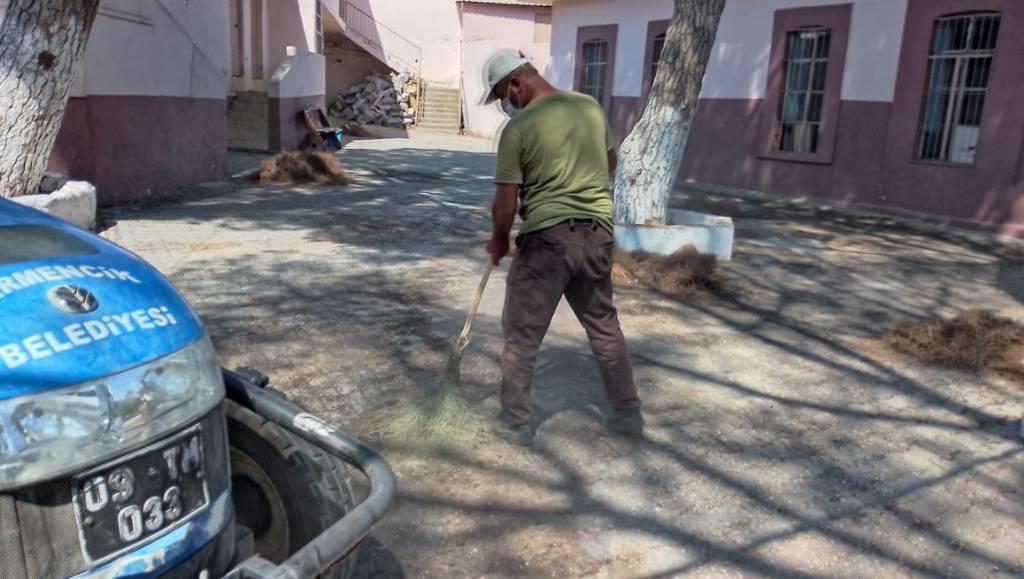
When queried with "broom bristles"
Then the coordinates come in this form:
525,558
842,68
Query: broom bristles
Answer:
441,414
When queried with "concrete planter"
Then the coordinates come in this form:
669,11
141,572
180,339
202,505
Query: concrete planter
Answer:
74,202
710,234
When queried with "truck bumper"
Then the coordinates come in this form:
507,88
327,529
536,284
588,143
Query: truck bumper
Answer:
340,538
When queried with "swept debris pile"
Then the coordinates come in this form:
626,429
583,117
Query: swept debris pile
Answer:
377,101
976,340
687,273
302,167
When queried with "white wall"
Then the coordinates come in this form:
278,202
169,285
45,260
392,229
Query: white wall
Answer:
299,76
632,17
739,62
433,25
157,48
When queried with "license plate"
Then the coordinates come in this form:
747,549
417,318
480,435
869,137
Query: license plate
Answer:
139,496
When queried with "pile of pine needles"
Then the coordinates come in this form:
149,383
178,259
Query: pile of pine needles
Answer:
302,167
687,273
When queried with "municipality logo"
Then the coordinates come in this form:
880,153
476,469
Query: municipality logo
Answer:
73,299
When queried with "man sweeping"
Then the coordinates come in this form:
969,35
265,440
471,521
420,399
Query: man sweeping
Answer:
554,160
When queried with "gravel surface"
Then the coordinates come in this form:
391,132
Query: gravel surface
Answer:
782,440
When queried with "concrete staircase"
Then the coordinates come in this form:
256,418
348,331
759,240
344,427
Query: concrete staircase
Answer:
440,110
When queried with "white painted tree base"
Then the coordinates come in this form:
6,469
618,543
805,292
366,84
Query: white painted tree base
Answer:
709,234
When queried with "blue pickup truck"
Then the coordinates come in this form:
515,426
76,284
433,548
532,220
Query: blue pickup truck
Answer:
127,451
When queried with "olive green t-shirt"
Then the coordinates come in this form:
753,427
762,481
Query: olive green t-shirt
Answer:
556,150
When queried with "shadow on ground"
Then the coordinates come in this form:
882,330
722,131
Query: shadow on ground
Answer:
778,444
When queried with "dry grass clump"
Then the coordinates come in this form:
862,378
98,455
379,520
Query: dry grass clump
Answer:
302,167
686,273
976,340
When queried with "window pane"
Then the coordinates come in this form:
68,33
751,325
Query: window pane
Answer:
786,140
960,29
595,64
970,111
659,44
818,76
795,46
793,106
824,40
931,145
977,72
799,137
814,106
942,73
799,76
811,138
986,33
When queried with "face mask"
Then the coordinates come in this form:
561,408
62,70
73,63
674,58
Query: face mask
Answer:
509,108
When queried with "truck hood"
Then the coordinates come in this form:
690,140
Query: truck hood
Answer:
75,307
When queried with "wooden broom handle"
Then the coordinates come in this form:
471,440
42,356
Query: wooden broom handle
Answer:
476,300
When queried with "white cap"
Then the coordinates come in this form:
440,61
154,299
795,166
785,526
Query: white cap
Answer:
501,64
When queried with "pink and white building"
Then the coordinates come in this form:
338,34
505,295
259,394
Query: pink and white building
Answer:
490,25
147,110
908,106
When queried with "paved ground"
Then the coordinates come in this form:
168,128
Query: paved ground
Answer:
782,443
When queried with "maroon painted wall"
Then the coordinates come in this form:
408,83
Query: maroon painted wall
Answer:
873,162
625,112
135,147
724,149
287,130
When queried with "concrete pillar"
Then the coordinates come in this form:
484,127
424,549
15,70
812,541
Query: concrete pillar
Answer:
246,23
265,45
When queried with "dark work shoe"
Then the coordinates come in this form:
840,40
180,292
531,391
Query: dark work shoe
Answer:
519,435
627,423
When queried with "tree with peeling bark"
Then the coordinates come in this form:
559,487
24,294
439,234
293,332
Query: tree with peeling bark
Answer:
651,155
42,43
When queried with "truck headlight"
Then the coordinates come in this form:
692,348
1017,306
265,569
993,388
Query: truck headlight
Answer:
50,434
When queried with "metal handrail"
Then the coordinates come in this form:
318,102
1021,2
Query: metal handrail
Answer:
372,32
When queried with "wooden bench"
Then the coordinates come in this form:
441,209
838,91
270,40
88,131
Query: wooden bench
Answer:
321,134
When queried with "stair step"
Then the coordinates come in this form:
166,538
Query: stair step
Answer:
425,123
437,129
444,127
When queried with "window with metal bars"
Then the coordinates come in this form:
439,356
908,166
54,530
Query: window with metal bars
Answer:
659,43
803,90
595,67
960,64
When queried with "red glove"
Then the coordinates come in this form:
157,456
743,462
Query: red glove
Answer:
498,248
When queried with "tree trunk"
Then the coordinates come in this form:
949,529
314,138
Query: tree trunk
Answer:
653,152
42,43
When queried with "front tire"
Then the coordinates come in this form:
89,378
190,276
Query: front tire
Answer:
283,488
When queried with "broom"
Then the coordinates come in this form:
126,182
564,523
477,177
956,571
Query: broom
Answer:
441,413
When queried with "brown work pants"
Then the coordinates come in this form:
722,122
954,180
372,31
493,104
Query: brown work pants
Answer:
574,259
